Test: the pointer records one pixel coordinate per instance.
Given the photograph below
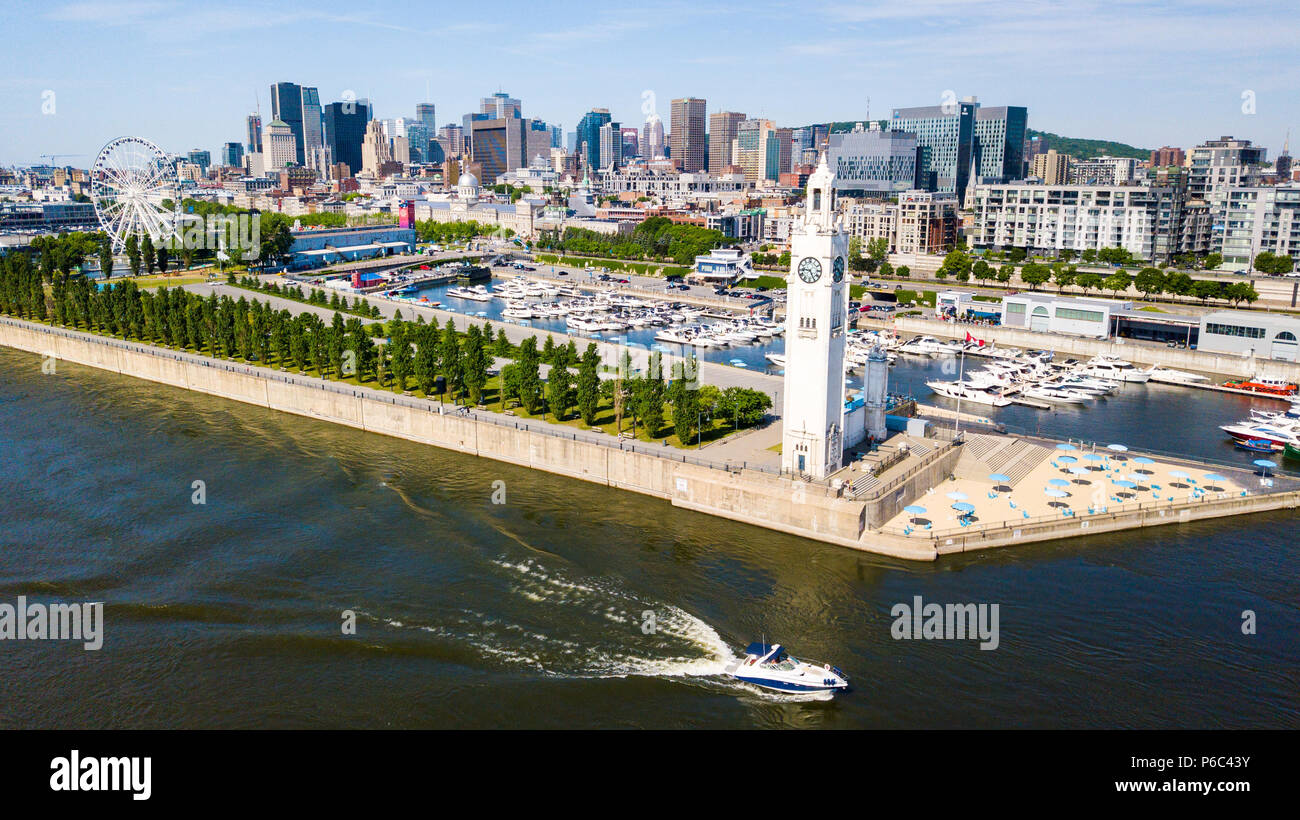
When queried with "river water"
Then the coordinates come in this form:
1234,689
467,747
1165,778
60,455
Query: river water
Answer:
533,613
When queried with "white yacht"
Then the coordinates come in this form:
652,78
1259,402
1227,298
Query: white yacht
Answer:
1170,376
771,667
1113,367
970,391
1056,395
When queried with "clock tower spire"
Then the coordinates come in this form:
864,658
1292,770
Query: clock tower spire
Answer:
816,322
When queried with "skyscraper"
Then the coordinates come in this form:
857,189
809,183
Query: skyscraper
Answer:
1000,143
722,133
756,150
286,107
277,139
611,145
652,137
312,137
424,112
946,136
254,144
687,139
232,154
345,130
589,135
500,105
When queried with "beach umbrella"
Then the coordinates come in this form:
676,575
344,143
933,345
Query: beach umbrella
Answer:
1119,448
999,477
1065,447
914,509
1095,457
1066,459
1263,464
1180,474
1143,460
964,506
958,495
1078,471
1055,493
1214,477
1138,477
1125,483
1059,482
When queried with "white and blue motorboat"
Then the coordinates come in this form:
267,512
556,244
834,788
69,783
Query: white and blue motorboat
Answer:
771,667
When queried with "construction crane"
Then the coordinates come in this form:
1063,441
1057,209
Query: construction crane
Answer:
52,157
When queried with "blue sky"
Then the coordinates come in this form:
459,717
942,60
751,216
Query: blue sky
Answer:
184,74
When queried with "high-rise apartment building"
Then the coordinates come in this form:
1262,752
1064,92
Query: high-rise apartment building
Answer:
1216,165
1052,168
631,143
1258,220
1167,156
756,150
723,126
687,137
611,145
286,107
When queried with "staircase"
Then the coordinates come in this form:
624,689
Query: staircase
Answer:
983,455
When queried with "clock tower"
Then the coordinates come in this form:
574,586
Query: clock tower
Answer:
816,322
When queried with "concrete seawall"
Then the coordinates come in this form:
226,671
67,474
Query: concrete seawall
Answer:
776,502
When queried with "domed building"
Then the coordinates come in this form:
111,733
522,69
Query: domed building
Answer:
467,188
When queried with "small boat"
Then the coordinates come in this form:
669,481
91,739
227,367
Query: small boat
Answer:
1291,451
771,667
1269,387
1256,445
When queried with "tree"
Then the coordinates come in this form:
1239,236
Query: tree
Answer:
903,271
1063,275
1117,282
1150,281
400,357
1206,289
982,271
529,385
1239,292
1213,261
559,390
133,254
1035,274
150,256
1178,284
476,364
449,356
425,366
106,258
1016,255
589,384
1005,273
686,406
878,249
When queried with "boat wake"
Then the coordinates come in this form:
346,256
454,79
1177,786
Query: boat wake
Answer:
578,628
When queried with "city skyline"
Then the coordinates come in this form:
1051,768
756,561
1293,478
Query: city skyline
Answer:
1132,85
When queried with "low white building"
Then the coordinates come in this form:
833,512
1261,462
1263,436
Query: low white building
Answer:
1072,316
1251,333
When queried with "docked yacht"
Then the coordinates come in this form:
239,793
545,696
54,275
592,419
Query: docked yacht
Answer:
477,293
1170,376
771,667
777,359
1054,394
1113,367
1279,433
970,391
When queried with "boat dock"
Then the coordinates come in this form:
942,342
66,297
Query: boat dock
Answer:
1037,405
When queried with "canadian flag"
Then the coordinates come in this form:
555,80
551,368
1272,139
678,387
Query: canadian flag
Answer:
971,338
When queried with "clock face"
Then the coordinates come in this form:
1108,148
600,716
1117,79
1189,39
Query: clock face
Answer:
810,270
837,268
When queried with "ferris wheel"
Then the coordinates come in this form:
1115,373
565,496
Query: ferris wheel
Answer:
133,187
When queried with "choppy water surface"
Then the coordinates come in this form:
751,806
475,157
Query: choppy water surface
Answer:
533,613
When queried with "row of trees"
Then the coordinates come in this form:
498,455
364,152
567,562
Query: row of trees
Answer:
415,354
1151,281
657,238
430,231
315,296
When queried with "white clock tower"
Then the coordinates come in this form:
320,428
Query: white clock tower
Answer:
816,321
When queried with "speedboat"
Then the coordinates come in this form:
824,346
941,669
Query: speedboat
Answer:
771,667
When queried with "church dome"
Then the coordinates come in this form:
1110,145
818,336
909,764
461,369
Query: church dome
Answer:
467,180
